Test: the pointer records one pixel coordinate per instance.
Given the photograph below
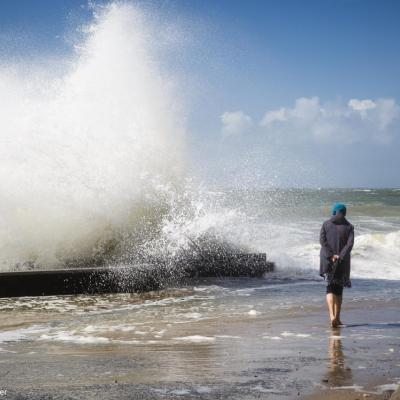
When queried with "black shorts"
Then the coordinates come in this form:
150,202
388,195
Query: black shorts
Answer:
334,289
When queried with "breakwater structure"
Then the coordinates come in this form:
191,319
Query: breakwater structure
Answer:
128,279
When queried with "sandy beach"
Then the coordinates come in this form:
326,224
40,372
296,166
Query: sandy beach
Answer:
225,339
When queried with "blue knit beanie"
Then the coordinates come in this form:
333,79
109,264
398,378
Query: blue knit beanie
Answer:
339,207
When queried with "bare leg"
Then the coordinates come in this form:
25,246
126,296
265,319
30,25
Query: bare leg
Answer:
337,308
330,299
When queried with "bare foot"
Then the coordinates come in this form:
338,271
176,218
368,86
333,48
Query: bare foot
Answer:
334,323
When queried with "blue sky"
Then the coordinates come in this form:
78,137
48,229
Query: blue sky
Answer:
250,59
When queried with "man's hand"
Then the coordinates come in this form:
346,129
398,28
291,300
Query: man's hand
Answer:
335,258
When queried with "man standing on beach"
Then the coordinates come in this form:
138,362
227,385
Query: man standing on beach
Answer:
336,239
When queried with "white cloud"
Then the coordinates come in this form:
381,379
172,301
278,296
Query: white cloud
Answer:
304,110
235,123
357,120
361,105
272,116
387,112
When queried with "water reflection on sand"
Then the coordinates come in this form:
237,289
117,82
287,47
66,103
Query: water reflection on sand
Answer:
232,337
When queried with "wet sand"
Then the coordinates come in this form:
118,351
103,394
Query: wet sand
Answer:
387,393
351,395
234,340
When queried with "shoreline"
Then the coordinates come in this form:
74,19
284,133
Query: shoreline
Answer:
224,340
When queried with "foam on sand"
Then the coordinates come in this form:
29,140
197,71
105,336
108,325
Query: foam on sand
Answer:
196,339
292,334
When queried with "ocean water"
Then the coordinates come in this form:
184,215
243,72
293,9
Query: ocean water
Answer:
285,224
230,313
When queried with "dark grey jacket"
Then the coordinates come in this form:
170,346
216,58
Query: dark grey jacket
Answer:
336,237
